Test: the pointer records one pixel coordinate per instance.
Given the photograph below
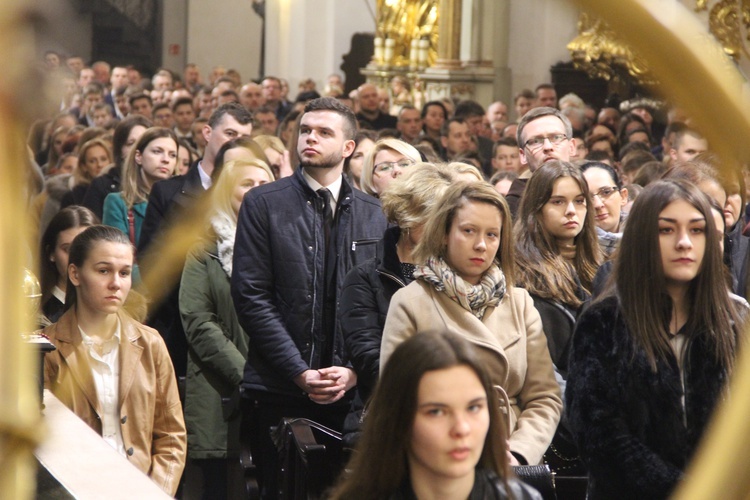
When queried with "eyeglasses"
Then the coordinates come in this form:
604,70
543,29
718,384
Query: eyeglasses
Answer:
387,166
606,192
538,141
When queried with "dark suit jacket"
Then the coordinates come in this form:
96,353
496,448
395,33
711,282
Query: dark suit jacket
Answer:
168,199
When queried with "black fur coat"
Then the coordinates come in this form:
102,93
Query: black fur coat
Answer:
628,420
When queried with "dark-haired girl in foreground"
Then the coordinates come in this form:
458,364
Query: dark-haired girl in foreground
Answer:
434,429
650,361
110,370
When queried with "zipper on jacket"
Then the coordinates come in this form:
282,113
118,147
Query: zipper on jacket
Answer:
367,241
392,276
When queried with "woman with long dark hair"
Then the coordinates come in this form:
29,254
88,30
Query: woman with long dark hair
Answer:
650,361
433,430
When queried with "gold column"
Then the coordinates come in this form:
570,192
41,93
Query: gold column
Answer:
19,404
449,35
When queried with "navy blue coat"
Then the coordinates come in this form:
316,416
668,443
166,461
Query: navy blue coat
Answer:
278,276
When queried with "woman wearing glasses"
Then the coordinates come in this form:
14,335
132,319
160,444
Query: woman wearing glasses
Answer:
387,160
608,198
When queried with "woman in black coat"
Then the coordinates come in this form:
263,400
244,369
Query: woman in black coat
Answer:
649,362
368,288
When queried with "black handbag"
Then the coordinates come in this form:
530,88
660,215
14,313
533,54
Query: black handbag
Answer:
539,477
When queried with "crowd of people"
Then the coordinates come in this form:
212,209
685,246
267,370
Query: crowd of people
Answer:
455,289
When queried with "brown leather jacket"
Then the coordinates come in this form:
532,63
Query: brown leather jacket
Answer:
153,429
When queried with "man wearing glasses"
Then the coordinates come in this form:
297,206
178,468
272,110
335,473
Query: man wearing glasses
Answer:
544,134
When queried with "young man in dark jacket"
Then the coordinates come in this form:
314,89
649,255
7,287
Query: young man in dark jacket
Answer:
296,240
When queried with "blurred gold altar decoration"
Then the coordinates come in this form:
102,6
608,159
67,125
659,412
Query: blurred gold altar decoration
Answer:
406,33
20,419
695,73
729,22
599,52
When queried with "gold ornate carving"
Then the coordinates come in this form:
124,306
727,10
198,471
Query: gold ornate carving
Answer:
598,51
403,21
729,22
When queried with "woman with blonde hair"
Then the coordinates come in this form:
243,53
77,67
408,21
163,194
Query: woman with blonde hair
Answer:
277,154
93,156
464,285
368,288
216,342
387,159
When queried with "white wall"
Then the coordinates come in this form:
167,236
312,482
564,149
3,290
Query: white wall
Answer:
539,33
225,33
308,38
174,33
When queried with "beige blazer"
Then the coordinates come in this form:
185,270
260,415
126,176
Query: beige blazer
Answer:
153,430
513,331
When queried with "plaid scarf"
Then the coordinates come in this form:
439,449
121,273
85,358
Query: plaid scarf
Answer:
474,298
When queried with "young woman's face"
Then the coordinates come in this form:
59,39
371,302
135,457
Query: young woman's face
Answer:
450,426
247,178
96,159
358,158
564,213
473,240
183,161
68,165
158,159
103,281
607,199
682,242
60,253
135,134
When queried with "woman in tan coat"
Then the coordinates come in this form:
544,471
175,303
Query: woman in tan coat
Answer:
464,287
110,370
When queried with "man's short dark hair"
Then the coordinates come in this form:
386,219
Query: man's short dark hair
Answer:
333,104
140,95
504,141
535,113
446,128
546,86
93,88
406,107
466,109
181,102
434,103
233,109
633,146
159,107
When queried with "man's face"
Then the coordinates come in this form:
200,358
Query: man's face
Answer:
368,98
119,78
409,124
163,118
75,64
498,111
134,76
101,73
690,147
142,107
251,96
121,101
101,118
268,122
458,140
506,158
544,126
86,77
227,129
475,124
184,116
192,75
162,82
321,142
608,116
271,90
90,100
546,97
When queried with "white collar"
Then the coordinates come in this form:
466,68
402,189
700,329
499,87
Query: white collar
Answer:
206,181
334,187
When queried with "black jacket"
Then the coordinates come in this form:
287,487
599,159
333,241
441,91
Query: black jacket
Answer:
278,276
736,247
627,419
168,199
99,189
365,298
